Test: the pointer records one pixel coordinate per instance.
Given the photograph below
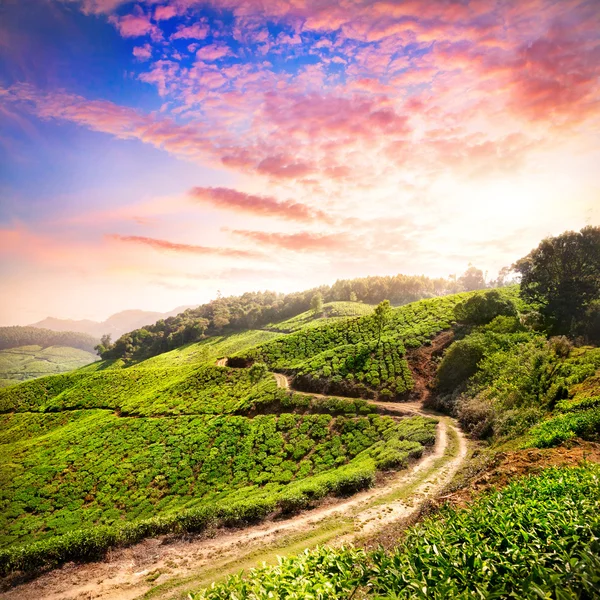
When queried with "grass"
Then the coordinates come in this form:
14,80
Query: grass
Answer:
332,311
28,362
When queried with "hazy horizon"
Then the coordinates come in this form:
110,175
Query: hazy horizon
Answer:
155,152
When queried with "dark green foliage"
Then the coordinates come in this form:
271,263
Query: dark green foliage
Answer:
460,362
501,384
537,538
13,337
481,308
561,277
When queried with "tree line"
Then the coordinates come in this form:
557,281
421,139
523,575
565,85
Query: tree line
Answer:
14,337
254,310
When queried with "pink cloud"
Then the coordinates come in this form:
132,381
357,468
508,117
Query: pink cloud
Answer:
259,205
197,31
135,25
143,52
213,51
164,245
298,242
164,13
284,166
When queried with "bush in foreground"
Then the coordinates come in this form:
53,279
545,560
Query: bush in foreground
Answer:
536,538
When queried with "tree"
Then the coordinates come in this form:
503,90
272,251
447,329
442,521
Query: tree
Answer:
257,371
503,278
353,297
561,278
483,307
472,279
381,317
316,304
104,346
221,317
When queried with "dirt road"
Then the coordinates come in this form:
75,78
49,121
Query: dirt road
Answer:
181,565
169,567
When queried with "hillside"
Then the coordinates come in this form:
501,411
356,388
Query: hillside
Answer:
28,362
263,310
533,399
30,352
174,440
318,428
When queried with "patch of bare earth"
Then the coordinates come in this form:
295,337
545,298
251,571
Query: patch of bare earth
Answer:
507,466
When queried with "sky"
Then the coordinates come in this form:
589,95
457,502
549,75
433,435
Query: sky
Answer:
155,153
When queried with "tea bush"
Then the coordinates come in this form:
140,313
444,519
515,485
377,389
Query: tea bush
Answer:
536,538
52,482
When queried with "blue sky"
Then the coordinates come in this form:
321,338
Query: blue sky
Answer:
154,152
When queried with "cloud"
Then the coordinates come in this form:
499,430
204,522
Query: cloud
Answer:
164,13
135,25
166,246
197,31
258,205
143,52
186,141
299,242
97,7
213,51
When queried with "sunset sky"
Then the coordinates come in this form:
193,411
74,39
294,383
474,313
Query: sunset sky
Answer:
154,152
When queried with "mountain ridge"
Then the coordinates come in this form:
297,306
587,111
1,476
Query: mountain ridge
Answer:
116,324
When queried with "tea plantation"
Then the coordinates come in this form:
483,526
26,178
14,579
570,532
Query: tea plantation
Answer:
536,538
352,357
114,452
27,362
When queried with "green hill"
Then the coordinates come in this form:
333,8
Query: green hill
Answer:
119,450
28,362
114,451
349,357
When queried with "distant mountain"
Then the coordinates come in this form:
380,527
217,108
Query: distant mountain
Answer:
116,325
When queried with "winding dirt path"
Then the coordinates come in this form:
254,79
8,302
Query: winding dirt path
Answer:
167,567
181,564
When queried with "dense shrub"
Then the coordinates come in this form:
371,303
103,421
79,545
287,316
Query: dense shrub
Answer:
560,428
483,307
536,538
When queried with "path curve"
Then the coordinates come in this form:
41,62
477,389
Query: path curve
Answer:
127,573
282,381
